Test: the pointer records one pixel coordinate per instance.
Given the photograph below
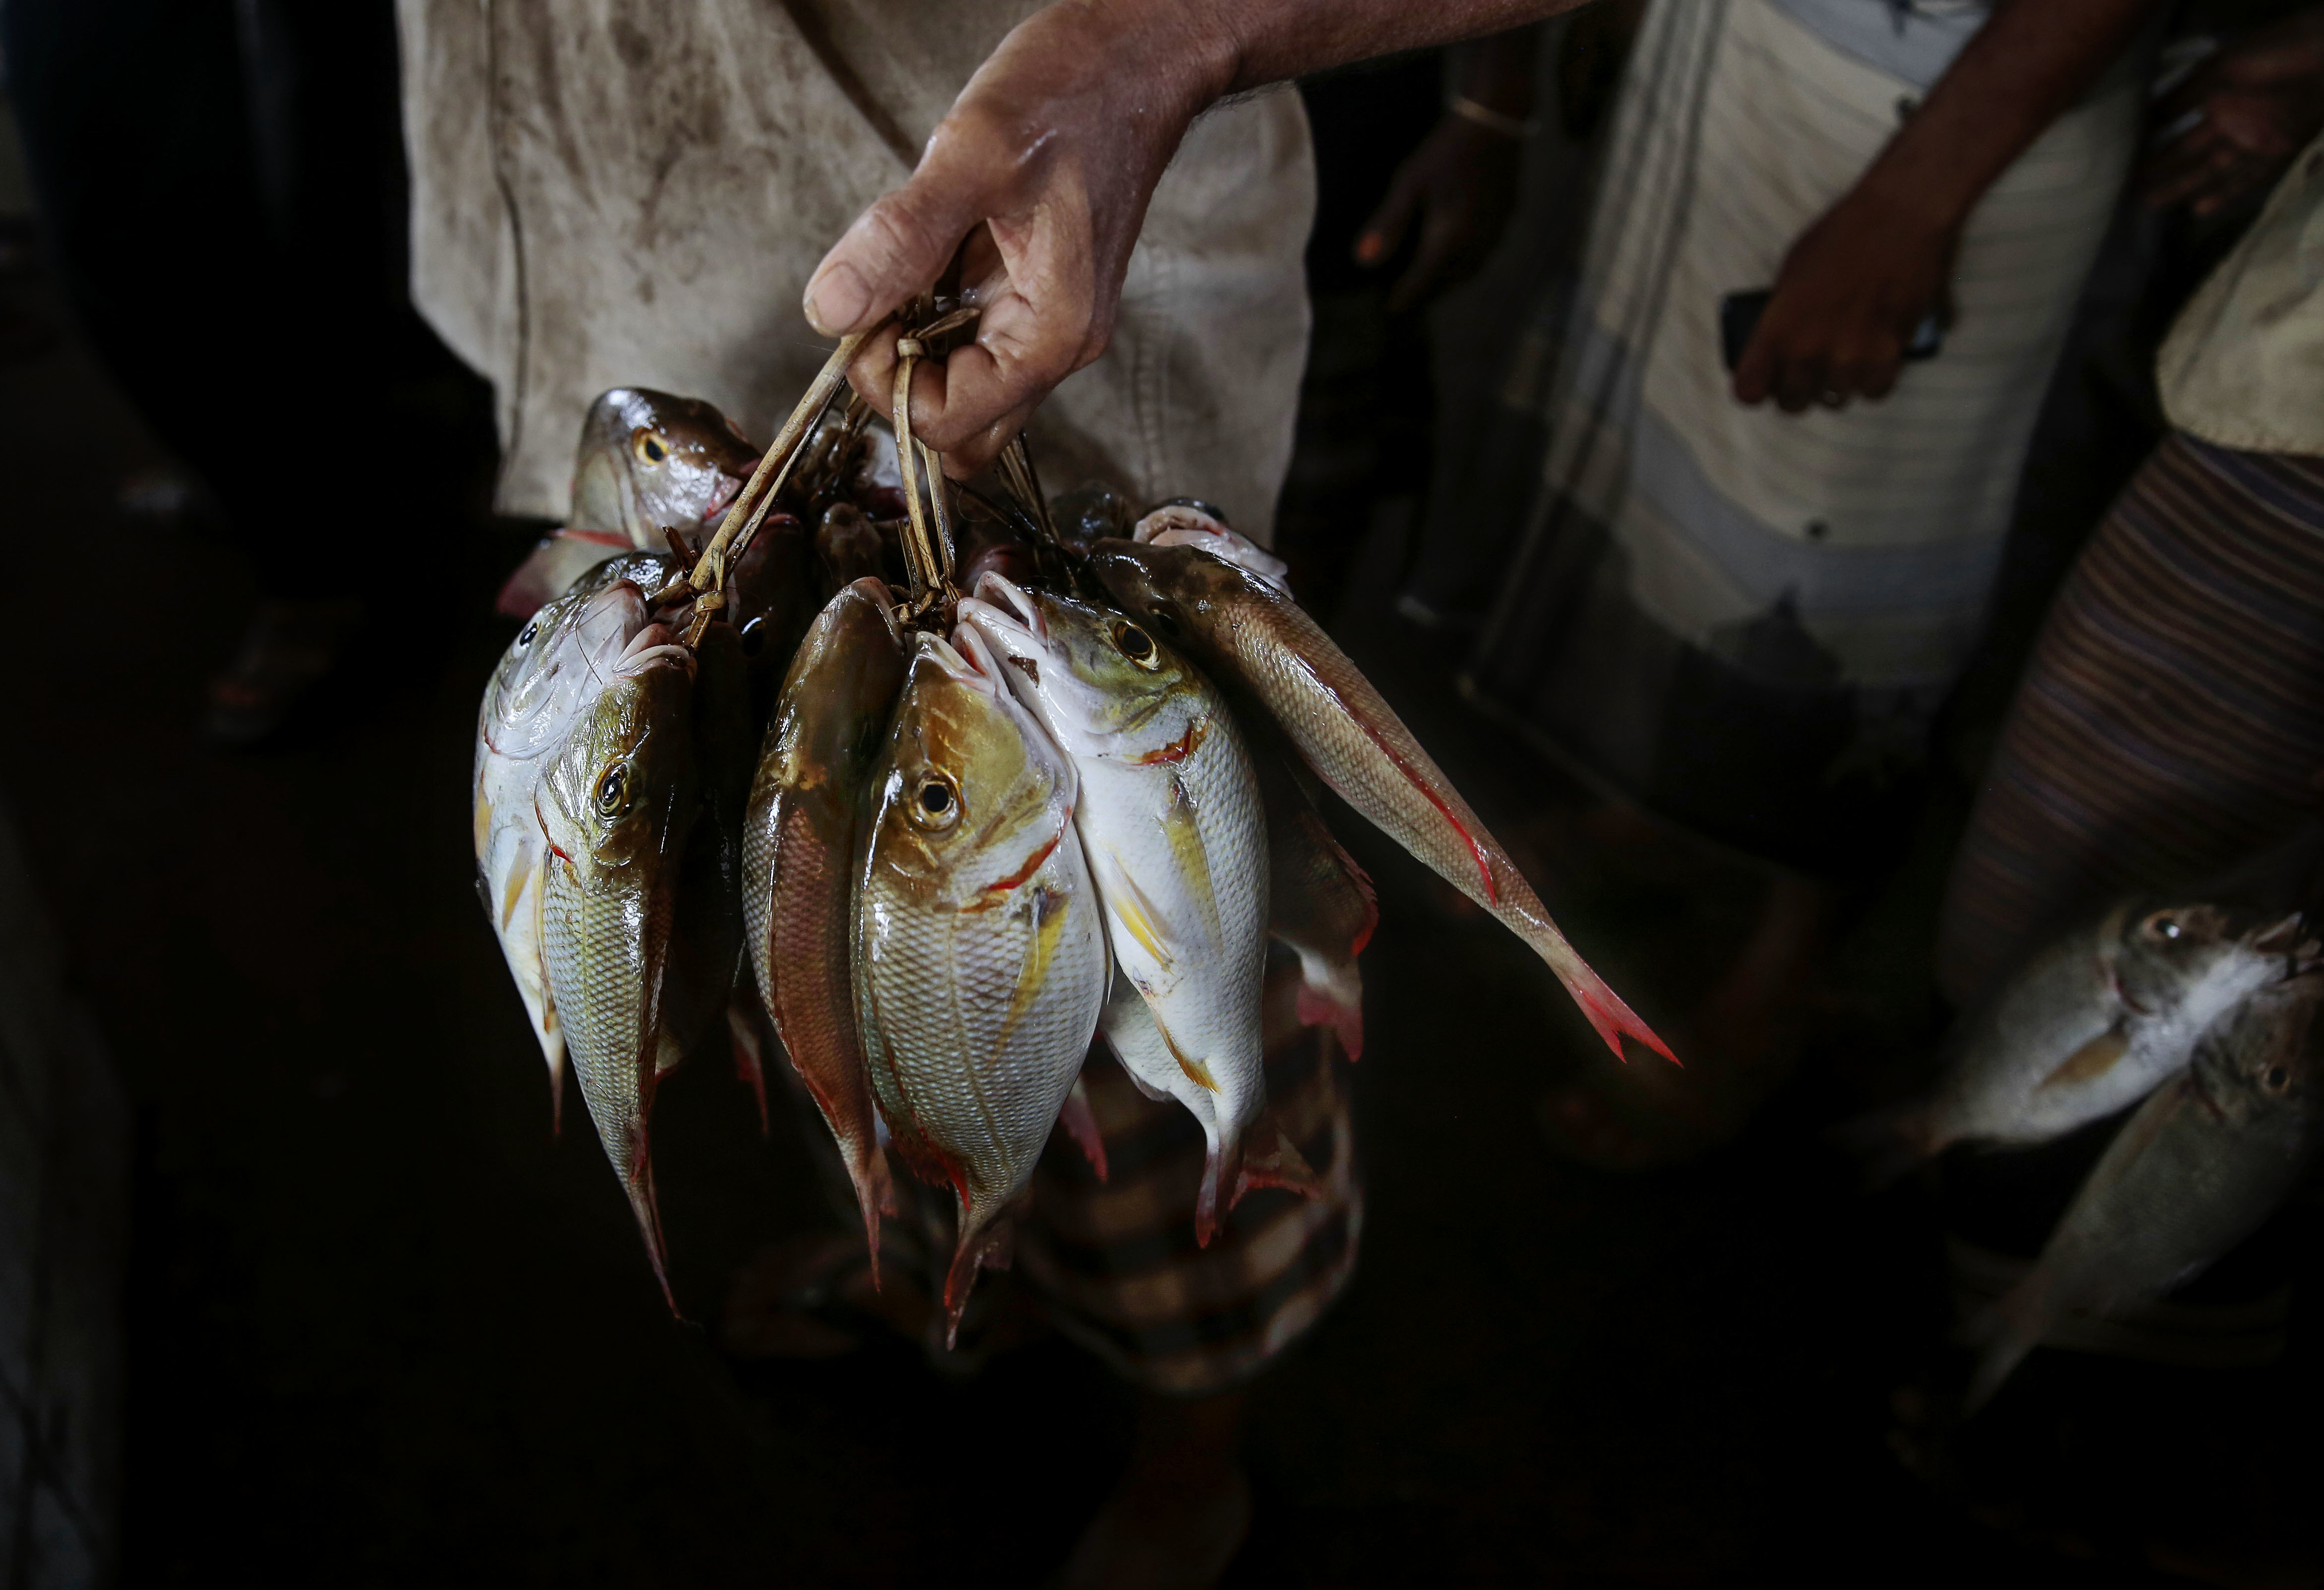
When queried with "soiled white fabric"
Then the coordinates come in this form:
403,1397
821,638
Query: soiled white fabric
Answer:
2243,366
633,192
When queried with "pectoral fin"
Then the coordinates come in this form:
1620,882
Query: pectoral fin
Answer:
2092,1060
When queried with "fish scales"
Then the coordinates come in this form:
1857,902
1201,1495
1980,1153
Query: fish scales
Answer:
1171,817
800,840
1239,624
980,962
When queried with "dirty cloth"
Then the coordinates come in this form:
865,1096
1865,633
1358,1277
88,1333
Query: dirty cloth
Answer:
2172,724
1742,618
2243,366
619,192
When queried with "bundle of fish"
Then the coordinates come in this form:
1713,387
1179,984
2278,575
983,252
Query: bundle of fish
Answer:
2211,1019
948,807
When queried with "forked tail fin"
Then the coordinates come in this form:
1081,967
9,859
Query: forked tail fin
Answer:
639,1184
1613,1019
1271,1158
750,1055
1080,1123
989,1247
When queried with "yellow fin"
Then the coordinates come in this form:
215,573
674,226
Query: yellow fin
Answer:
1185,835
2093,1059
1130,907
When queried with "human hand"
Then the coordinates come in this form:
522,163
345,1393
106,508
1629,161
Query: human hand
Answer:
2252,106
1852,291
1461,185
1036,183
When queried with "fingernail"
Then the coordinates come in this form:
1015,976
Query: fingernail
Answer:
836,300
1367,248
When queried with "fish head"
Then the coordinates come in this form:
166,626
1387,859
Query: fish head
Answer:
536,690
1099,681
2265,1052
612,802
1183,522
2190,960
1186,596
971,795
650,459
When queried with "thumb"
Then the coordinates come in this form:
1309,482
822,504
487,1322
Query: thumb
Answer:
898,247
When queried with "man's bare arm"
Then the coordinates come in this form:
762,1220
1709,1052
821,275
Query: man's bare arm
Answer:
1038,179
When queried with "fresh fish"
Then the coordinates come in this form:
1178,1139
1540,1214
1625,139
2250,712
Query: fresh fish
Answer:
980,961
2201,1165
648,459
615,804
1170,818
1240,628
2091,1024
530,704
1185,524
799,844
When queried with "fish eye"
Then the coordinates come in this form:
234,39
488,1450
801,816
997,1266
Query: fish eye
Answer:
530,629
1136,645
614,792
935,804
2278,1078
649,445
2165,925
754,637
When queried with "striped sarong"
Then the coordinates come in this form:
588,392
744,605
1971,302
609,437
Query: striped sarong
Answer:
1742,618
1115,1264
2171,723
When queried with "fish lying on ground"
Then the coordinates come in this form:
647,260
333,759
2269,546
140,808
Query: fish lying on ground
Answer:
615,805
646,459
2197,1169
2090,1026
981,960
799,844
530,704
1240,627
1169,816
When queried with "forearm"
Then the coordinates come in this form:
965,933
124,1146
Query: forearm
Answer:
2031,61
1246,44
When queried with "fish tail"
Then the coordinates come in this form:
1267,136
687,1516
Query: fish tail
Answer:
556,1097
982,1245
1333,996
1613,1019
749,1056
872,1195
639,1185
2009,1330
1216,1170
1277,1161
1080,1122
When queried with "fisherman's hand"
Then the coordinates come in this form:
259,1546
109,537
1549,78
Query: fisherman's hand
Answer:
1852,291
1461,185
2244,113
1043,169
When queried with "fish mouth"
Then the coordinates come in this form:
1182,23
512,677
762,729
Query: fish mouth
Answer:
966,660
651,647
2278,937
1009,607
723,494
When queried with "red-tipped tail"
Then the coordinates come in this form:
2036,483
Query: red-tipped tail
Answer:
1271,1158
1613,1019
749,1056
1080,1123
989,1248
1318,1007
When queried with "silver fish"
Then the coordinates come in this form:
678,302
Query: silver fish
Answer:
650,459
2091,1024
1240,627
2197,1169
801,840
980,962
617,804
1170,818
530,705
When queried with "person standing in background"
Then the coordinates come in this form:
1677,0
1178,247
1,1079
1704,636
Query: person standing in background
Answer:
2170,725
1741,599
